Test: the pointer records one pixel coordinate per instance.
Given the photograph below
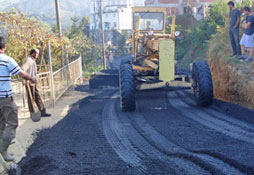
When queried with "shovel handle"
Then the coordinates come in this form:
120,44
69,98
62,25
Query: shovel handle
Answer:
30,95
33,92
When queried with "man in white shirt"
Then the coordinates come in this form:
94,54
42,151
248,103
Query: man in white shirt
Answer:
30,67
8,108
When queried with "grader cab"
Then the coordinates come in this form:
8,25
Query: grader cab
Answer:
153,61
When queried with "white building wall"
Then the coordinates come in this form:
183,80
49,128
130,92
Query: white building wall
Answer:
94,12
110,18
117,17
125,19
178,5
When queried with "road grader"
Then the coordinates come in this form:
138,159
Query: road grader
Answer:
153,64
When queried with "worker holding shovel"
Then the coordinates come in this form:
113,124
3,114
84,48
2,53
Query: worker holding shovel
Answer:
8,108
33,94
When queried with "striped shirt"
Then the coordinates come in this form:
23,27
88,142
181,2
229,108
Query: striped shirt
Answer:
8,67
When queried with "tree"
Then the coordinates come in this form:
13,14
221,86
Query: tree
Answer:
89,50
24,33
122,43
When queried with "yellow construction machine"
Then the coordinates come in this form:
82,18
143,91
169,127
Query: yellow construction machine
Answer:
152,64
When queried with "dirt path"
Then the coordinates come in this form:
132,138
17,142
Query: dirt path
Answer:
167,134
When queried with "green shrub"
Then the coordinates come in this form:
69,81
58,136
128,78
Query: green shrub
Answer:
196,34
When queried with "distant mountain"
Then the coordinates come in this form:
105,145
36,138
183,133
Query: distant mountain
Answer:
6,3
46,8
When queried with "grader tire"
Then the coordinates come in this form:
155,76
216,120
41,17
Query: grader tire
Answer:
202,83
127,88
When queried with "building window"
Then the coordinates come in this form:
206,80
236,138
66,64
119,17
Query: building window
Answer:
115,24
107,25
114,15
188,10
106,15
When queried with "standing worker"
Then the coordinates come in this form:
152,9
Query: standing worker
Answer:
107,58
234,24
30,67
8,108
111,60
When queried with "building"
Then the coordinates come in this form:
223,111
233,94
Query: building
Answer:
114,11
179,7
117,15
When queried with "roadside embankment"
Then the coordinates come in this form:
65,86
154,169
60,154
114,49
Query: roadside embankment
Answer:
233,79
230,83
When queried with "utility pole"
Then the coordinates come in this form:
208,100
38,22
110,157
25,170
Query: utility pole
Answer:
95,17
58,18
102,36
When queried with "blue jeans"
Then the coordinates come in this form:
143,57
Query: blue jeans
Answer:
235,40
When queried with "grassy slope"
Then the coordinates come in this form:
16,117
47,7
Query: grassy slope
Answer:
219,47
233,80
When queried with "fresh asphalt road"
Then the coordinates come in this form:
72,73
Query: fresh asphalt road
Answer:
168,134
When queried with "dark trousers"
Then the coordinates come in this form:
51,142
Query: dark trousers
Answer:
36,97
8,119
235,40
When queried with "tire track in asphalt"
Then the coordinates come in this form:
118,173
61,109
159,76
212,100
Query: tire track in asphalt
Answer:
117,138
160,142
134,140
232,129
215,112
151,151
133,148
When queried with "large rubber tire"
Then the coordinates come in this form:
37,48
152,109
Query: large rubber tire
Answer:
127,88
202,83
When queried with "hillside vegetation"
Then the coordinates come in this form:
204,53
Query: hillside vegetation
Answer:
208,39
24,33
233,79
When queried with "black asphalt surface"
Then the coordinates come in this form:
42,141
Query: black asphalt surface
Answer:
167,135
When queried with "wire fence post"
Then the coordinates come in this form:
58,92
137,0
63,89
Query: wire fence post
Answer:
68,78
51,74
81,70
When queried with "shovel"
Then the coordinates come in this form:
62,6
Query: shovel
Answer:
36,114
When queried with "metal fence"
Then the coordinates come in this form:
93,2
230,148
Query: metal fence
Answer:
52,85
66,76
